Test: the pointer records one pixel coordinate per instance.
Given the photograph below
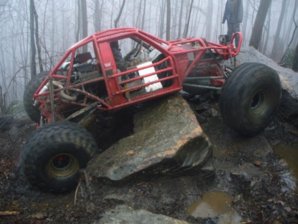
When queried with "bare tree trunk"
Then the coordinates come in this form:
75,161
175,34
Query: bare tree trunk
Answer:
144,13
64,34
3,74
12,89
37,40
275,53
138,15
175,20
185,33
286,37
97,16
196,20
259,23
32,41
266,35
199,14
180,19
209,14
149,17
295,61
246,11
84,18
79,11
293,34
53,31
23,45
84,22
168,23
219,29
1,101
161,19
116,21
254,10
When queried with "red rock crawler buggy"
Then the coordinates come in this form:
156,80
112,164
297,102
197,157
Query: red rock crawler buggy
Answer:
93,76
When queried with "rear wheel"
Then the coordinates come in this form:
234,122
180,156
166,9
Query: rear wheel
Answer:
53,156
250,97
30,89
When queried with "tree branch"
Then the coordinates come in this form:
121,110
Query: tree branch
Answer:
293,35
116,21
37,40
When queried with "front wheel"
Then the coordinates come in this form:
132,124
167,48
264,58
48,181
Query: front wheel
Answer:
250,97
53,156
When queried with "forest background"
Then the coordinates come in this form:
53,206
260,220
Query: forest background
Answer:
35,34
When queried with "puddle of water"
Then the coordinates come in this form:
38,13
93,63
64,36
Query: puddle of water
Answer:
215,204
290,154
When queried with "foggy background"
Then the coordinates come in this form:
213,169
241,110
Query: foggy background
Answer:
58,24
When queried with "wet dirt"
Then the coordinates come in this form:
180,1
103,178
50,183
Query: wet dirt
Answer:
215,204
254,181
289,152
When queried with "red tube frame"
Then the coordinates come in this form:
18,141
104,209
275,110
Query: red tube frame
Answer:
176,54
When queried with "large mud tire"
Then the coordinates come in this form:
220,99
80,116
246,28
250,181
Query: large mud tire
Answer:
30,89
53,156
250,97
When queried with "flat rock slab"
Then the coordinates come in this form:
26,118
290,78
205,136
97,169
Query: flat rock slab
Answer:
127,215
167,139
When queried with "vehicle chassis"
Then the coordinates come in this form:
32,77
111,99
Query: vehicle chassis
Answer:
180,60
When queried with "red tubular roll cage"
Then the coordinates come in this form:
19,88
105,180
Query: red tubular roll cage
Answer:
181,57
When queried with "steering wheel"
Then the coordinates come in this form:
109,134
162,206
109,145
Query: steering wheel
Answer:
134,52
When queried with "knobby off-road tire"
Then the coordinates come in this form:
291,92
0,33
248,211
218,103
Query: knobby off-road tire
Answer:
31,87
54,154
250,97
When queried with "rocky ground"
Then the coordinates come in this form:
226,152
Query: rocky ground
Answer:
251,184
253,181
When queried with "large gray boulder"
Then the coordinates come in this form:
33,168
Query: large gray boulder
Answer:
288,110
167,139
288,78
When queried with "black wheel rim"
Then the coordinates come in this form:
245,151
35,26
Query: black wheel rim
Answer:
257,101
62,165
259,104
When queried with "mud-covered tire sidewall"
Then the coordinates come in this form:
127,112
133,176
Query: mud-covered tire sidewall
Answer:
250,97
50,141
31,87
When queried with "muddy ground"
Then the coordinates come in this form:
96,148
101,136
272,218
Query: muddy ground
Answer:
255,184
